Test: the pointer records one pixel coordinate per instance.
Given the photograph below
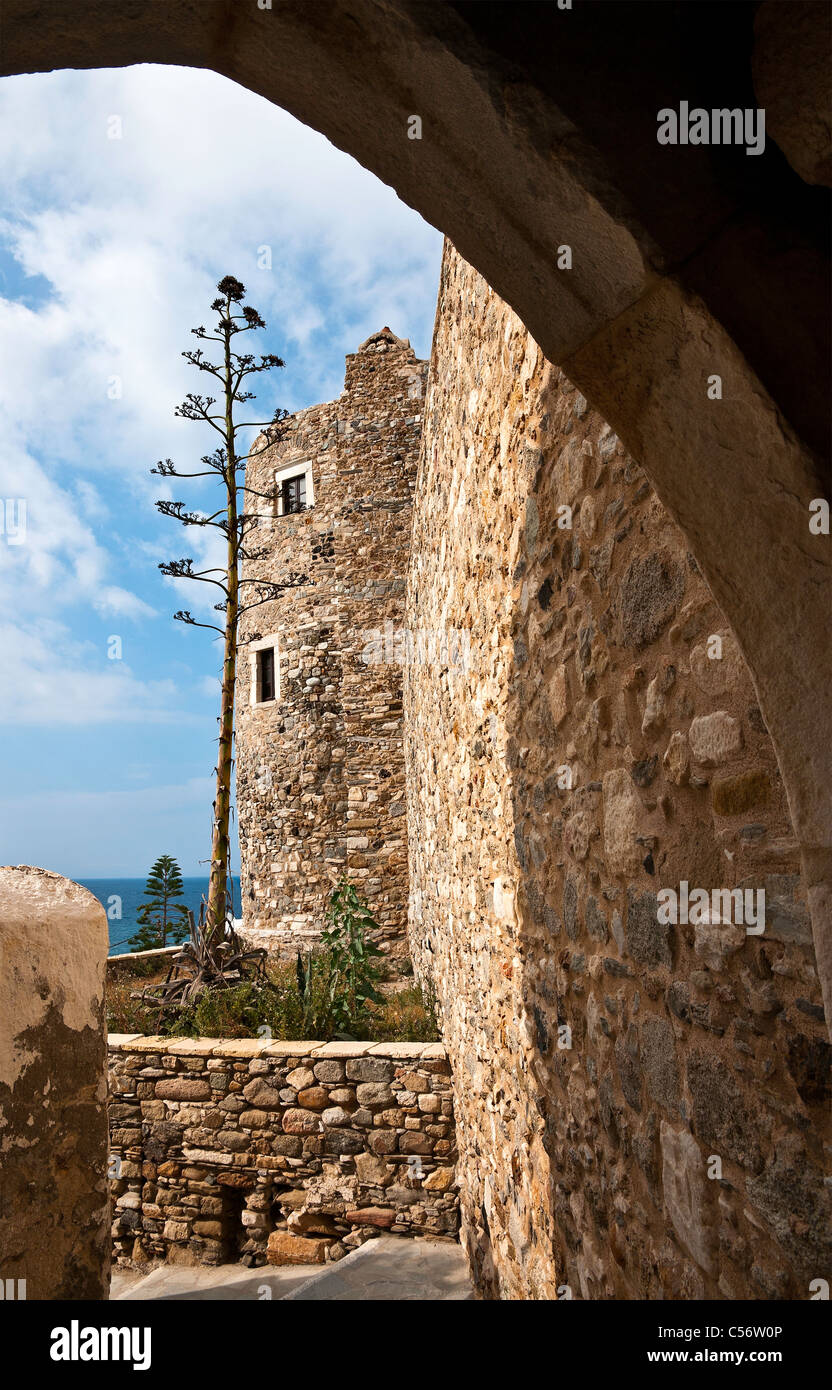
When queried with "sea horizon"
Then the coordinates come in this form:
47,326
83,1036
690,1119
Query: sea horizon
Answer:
121,898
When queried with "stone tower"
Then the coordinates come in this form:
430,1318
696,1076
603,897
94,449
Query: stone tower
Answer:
320,765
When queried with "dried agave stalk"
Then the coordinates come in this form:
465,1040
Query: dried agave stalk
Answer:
211,958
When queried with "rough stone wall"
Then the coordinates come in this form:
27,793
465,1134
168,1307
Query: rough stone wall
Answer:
642,1108
320,771
287,1152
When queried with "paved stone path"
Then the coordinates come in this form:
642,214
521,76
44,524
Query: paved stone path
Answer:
392,1268
388,1268
196,1283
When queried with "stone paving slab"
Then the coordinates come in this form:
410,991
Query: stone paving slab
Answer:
123,1279
281,1048
191,1047
392,1269
406,1050
342,1049
139,1042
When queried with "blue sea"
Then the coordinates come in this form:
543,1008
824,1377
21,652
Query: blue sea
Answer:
122,897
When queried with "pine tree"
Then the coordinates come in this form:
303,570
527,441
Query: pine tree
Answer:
160,916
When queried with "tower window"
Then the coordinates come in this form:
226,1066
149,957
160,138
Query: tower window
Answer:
265,675
264,663
294,489
294,494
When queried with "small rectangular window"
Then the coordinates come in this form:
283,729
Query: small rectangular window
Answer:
265,675
294,494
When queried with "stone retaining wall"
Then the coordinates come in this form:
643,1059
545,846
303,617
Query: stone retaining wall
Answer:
282,1152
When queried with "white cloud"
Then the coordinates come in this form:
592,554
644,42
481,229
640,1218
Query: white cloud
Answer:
48,678
121,603
140,229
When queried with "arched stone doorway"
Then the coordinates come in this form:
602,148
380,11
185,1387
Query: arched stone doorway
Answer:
684,265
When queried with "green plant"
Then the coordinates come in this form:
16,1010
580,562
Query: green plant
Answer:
160,916
408,1015
125,1013
350,958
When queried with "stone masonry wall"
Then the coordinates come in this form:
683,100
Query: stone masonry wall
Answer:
642,1106
320,770
286,1153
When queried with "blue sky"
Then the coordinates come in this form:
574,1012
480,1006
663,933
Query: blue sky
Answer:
110,249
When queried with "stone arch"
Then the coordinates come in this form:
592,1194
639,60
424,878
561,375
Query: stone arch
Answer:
712,265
